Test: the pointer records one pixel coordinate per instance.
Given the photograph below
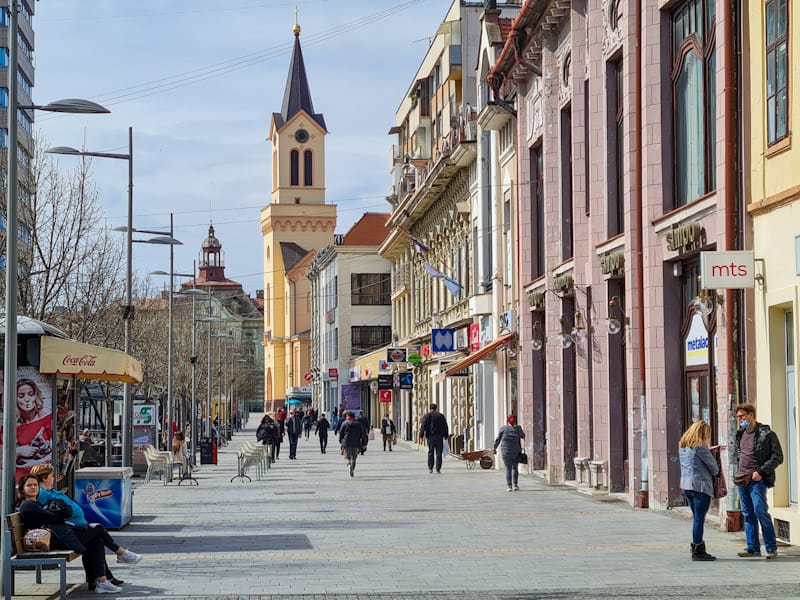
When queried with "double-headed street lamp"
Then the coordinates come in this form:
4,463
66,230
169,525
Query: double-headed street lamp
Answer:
127,310
164,238
77,106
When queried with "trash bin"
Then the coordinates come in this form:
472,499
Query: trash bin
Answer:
208,451
105,494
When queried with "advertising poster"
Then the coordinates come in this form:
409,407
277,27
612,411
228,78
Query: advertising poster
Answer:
351,397
33,406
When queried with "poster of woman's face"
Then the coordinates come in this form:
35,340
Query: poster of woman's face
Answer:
34,419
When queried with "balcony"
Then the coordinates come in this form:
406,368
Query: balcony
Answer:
494,116
401,281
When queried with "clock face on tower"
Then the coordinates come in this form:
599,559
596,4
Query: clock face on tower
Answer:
301,135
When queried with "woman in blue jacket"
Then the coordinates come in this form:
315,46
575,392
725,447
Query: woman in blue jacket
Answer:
698,468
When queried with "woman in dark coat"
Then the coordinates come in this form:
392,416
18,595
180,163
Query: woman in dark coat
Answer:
509,439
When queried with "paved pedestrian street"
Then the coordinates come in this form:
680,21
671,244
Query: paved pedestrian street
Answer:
309,531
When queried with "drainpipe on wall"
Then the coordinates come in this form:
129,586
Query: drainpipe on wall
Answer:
643,497
734,233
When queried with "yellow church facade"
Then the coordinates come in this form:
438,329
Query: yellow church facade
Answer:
295,223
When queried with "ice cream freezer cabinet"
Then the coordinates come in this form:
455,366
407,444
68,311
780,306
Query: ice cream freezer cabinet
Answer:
105,494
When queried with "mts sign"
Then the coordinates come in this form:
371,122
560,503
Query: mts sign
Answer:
722,270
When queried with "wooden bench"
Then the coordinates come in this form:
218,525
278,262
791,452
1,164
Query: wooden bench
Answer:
22,558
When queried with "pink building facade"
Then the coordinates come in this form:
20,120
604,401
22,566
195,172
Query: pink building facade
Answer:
627,159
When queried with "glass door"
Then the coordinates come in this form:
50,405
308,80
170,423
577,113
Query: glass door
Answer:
791,405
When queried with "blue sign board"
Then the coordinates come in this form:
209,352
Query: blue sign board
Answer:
443,340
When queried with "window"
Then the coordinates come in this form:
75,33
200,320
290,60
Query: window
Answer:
3,97
25,121
566,184
615,170
370,289
537,213
508,259
694,93
294,164
24,83
4,17
308,164
3,137
777,70
365,339
3,57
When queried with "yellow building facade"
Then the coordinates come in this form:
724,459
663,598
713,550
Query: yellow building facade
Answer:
293,225
772,190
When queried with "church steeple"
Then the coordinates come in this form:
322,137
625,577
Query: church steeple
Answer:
211,265
297,95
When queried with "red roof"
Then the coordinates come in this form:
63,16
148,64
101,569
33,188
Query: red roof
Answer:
369,230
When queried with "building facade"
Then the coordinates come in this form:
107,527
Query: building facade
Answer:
772,192
626,130
351,315
296,222
445,235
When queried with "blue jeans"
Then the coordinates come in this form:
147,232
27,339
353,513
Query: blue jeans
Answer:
699,503
512,469
435,445
753,502
292,445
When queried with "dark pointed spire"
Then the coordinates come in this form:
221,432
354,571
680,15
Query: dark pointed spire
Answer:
297,95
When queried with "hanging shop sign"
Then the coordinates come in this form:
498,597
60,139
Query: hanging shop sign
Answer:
385,382
475,337
727,270
696,343
396,355
385,396
406,380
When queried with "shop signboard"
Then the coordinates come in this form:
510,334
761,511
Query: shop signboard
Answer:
727,270
351,397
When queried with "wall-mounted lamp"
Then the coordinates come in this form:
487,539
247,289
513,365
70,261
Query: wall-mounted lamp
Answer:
565,337
616,315
577,328
537,337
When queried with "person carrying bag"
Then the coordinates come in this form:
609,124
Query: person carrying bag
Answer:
509,440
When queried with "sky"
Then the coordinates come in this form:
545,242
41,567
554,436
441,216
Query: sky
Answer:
198,81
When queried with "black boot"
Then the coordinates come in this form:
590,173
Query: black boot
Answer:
699,552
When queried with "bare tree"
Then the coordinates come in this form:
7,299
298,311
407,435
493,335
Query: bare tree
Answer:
76,269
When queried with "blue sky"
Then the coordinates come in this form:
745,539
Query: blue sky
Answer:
198,82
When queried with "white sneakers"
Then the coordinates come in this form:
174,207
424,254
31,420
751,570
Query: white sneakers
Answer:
106,587
129,557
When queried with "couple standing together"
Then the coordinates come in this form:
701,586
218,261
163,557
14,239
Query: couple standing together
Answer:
758,453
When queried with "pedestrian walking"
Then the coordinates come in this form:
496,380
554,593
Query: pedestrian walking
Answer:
388,431
351,437
698,469
434,429
321,430
758,454
509,440
294,429
281,425
268,434
308,423
365,425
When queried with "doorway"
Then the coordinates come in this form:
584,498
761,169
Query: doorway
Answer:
791,404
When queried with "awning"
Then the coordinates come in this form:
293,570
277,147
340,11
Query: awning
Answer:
488,349
66,357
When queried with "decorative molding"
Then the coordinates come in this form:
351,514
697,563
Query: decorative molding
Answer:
612,26
563,57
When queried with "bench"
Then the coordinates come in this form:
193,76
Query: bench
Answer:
22,558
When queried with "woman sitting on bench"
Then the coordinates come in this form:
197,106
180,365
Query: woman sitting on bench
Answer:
66,536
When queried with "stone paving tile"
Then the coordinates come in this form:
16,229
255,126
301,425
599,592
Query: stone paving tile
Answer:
308,531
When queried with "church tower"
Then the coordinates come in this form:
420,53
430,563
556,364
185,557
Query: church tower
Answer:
295,224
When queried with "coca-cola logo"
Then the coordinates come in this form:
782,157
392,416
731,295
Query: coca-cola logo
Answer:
87,360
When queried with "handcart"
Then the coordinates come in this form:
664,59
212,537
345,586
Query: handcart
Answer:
478,457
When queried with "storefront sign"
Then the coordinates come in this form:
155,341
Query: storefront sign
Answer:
475,337
686,237
406,381
333,373
385,382
396,355
355,374
144,414
725,270
385,396
612,263
696,343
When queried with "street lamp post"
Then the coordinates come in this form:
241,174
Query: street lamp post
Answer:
162,237
9,460
127,310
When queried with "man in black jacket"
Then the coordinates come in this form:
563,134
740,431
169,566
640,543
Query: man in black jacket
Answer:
294,429
758,454
434,429
351,436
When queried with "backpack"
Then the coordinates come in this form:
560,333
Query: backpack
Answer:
261,434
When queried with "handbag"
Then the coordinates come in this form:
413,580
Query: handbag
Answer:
58,508
445,448
371,434
522,458
36,540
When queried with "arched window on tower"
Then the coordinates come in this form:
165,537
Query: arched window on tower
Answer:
294,163
308,164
